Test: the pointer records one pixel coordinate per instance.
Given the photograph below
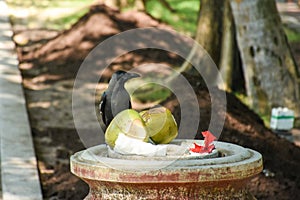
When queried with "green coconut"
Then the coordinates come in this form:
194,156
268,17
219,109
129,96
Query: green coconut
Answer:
128,122
161,125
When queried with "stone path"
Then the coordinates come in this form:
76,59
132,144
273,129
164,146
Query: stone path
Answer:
19,175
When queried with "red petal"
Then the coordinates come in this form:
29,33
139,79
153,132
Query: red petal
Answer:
208,146
196,149
208,138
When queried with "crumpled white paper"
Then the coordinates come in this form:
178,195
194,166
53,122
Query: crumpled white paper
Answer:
131,146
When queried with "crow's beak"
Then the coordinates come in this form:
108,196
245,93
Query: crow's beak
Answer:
132,75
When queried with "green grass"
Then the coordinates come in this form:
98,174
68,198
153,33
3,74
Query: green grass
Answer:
49,14
48,4
151,93
147,92
292,35
61,14
67,20
242,97
183,20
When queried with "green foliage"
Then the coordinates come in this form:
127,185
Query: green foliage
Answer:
184,19
292,35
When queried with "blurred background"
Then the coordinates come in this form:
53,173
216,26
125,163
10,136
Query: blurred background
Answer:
255,45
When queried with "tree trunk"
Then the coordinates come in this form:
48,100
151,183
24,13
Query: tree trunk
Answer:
249,34
216,34
270,72
227,57
208,34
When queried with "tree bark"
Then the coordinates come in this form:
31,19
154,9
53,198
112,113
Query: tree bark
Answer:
249,34
227,57
216,34
209,33
270,72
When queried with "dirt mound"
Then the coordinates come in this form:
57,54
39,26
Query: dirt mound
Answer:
60,58
66,51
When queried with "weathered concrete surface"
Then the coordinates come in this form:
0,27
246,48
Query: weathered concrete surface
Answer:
184,177
19,175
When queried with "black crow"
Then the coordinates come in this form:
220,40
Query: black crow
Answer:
115,99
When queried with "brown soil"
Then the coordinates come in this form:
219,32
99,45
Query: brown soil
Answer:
49,65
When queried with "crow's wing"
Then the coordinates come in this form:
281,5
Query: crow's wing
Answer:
102,107
130,106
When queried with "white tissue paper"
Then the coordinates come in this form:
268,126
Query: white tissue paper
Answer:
131,146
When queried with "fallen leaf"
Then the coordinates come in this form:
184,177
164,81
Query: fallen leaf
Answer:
208,143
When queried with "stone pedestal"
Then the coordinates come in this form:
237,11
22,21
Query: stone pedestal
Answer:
185,177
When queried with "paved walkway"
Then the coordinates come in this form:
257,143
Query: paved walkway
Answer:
19,175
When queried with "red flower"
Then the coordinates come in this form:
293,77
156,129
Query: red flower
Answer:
208,146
